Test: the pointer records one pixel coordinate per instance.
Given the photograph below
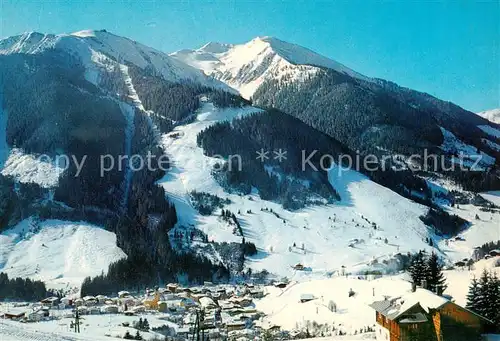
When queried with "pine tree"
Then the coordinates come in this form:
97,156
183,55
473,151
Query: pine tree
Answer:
418,268
473,296
483,296
435,276
492,310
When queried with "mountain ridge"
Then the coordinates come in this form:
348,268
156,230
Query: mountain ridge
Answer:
90,45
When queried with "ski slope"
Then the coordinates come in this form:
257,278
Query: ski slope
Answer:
57,252
333,235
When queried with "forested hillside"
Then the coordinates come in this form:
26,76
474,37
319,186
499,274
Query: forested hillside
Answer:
281,179
54,109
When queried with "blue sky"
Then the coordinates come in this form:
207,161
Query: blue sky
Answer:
448,49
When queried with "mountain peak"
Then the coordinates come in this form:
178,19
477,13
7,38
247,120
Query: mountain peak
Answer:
492,115
215,47
300,55
84,44
84,33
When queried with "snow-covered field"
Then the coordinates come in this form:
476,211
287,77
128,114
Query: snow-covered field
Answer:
93,328
283,307
333,235
60,253
481,231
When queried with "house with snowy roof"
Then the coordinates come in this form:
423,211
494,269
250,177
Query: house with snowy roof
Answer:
423,315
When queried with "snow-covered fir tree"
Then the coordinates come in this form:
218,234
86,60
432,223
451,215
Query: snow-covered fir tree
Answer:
435,277
418,268
473,296
484,296
492,309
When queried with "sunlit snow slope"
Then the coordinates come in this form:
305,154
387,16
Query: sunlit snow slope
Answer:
60,253
332,235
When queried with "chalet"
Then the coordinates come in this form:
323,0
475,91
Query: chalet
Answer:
67,301
235,325
35,316
139,309
82,310
298,266
90,301
244,301
14,314
306,298
93,310
280,285
50,302
207,303
256,293
423,315
109,309
494,253
222,293
101,299
122,294
172,287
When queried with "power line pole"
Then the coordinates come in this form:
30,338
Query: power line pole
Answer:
77,321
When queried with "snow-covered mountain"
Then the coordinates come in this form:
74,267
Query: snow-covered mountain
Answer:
491,115
132,99
246,66
92,47
357,110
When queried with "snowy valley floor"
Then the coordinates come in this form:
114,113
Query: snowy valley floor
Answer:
281,307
